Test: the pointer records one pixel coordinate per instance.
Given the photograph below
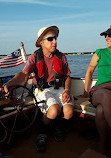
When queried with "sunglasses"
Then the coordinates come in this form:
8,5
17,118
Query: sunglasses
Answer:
50,38
107,35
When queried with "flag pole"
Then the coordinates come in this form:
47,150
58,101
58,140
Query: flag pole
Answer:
26,78
22,45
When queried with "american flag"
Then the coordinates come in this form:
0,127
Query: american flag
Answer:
16,58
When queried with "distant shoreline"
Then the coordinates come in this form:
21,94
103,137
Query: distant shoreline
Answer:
81,53
84,53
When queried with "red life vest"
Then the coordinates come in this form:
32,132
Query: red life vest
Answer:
39,60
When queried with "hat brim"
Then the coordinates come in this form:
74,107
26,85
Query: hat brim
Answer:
103,33
108,32
54,28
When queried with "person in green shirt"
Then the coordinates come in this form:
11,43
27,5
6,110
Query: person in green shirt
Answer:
100,94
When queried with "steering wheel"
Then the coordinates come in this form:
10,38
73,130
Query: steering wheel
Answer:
19,110
3,135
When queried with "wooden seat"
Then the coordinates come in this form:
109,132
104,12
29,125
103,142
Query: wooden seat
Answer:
83,106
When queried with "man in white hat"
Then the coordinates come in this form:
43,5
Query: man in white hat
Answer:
52,84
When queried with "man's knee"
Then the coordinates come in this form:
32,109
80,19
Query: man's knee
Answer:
53,111
68,111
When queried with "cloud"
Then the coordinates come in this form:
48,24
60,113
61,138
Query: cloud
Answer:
56,4
52,19
28,1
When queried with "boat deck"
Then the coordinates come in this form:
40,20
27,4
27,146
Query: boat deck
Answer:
82,136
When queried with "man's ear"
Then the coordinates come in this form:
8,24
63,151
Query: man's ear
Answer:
41,43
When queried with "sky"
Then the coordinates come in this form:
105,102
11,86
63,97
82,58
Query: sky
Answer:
80,23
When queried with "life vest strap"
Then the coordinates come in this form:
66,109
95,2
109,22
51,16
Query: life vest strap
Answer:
52,84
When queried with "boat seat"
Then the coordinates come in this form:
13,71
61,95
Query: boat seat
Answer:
81,106
84,107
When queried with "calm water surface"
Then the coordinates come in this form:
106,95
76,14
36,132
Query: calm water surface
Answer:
78,65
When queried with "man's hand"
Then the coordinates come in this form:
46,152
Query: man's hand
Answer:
6,90
66,98
1,90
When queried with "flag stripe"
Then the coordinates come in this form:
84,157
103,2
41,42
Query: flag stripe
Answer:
14,59
8,56
8,60
3,67
12,63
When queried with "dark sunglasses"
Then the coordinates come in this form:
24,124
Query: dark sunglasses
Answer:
50,38
107,35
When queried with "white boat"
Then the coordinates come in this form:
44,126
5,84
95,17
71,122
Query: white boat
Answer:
76,145
82,106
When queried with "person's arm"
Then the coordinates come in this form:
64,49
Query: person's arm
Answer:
66,73
18,79
66,94
89,73
68,84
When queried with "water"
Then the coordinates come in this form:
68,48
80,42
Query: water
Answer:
78,65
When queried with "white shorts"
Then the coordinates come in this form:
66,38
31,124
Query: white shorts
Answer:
51,96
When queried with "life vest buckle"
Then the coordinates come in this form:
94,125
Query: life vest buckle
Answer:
57,83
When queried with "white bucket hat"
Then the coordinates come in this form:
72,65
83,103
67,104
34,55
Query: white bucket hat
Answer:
43,31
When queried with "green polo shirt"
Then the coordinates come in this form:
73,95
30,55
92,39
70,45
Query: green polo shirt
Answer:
104,66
